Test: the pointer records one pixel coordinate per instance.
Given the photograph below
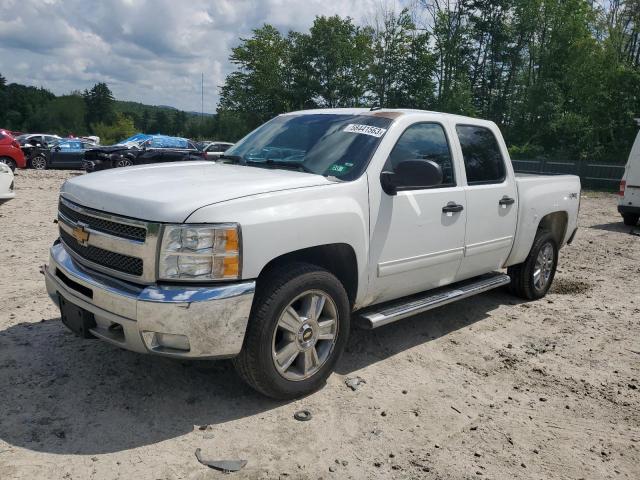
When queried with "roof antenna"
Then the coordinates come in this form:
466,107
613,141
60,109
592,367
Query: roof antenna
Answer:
375,107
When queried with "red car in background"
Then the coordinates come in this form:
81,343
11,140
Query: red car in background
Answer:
10,151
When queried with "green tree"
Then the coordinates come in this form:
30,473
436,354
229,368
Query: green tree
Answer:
337,56
258,89
120,129
99,104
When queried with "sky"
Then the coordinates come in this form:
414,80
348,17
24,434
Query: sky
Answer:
149,51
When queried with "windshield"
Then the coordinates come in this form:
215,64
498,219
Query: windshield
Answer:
337,145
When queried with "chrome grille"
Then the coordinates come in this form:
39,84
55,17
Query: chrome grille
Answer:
119,246
113,228
104,258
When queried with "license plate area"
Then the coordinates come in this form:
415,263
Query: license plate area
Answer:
76,319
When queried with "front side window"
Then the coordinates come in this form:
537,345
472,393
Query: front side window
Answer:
424,141
337,145
483,161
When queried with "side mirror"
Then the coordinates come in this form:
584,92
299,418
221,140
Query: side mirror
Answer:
410,175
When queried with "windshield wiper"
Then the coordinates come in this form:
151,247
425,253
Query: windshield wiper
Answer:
301,167
233,158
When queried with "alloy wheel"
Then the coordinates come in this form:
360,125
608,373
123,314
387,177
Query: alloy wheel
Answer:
305,335
544,266
124,162
39,162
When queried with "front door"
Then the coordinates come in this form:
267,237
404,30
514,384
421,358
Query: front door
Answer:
492,201
417,242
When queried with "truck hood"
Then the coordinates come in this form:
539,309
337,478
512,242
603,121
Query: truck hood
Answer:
171,192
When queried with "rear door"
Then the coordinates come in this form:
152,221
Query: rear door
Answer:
491,198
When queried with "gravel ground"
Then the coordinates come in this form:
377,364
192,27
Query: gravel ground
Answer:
491,387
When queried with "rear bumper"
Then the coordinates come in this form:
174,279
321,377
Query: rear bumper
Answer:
175,321
622,209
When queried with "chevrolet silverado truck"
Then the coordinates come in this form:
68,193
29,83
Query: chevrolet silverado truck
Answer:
315,219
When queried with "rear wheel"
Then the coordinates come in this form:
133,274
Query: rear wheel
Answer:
10,162
297,331
124,162
630,219
533,278
39,162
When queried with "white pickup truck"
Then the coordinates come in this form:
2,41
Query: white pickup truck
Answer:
312,220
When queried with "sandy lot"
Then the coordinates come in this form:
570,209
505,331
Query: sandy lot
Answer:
490,387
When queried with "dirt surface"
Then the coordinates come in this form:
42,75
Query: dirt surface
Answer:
491,387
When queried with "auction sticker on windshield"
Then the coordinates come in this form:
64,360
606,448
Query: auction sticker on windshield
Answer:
365,129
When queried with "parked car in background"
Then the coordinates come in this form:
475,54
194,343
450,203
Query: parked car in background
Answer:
65,153
30,142
92,139
315,218
29,138
629,203
215,149
6,184
10,152
140,150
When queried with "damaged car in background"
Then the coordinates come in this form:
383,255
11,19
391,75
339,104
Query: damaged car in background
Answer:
141,149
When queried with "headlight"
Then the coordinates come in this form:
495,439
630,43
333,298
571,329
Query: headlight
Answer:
200,252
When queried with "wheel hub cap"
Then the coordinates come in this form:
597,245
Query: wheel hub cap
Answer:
305,335
544,266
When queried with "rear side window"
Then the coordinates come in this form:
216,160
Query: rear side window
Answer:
424,141
483,161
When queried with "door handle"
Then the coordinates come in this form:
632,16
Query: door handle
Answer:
452,207
506,201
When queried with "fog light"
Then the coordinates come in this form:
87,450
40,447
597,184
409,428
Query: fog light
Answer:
156,340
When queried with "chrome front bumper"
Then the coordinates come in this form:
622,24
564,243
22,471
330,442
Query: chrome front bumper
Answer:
177,321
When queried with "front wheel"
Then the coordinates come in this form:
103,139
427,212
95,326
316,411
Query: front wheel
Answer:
630,219
39,162
9,162
532,278
124,162
297,331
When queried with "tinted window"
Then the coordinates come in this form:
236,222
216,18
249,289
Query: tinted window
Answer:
483,161
338,145
426,141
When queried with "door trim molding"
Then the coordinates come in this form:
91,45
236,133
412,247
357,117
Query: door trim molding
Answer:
488,246
402,265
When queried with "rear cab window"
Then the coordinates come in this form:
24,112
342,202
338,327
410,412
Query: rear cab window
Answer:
483,160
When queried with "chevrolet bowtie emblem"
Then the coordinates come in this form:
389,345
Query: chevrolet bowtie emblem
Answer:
81,235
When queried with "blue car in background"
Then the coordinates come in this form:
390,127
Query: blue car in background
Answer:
141,149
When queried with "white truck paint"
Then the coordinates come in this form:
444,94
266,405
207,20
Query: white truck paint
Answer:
402,244
629,202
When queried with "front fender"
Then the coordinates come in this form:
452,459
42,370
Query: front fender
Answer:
277,223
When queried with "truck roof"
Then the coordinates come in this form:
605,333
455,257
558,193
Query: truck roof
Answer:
388,112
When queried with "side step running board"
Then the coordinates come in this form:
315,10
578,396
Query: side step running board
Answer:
380,315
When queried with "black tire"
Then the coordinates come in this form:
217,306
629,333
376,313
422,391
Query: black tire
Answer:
630,219
277,289
38,162
123,162
522,275
10,162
